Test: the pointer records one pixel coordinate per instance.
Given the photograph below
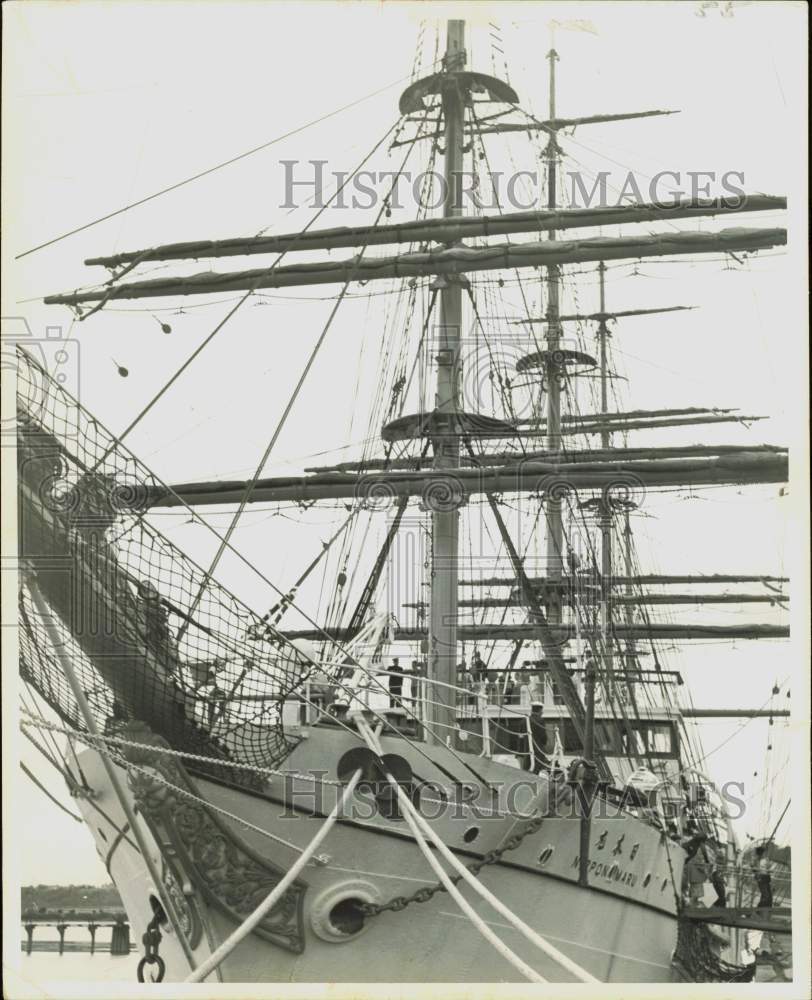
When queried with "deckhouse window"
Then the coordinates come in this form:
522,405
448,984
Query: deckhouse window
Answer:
660,738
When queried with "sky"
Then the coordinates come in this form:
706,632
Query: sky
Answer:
106,104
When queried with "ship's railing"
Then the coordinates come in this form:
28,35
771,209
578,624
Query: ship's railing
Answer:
648,689
409,709
479,697
748,886
655,689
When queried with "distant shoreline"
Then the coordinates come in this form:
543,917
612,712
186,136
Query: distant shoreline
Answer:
70,897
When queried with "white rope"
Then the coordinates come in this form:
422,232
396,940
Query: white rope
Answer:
550,950
506,952
411,813
528,973
245,928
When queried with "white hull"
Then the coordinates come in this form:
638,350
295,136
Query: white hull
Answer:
622,928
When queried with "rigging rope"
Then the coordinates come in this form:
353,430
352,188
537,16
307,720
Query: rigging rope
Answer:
45,791
278,610
211,170
76,790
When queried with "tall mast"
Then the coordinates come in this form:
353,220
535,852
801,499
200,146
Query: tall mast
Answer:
605,524
445,523
605,506
606,512
555,529
606,550
631,653
602,335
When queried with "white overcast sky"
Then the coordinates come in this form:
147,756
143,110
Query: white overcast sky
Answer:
107,103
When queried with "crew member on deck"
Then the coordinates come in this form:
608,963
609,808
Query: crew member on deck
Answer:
697,871
395,683
525,696
763,878
478,669
718,883
538,735
161,642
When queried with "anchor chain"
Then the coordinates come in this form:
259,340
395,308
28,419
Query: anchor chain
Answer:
152,941
423,895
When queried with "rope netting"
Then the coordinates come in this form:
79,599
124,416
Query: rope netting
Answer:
149,635
697,959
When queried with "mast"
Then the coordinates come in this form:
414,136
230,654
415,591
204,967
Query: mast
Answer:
555,528
605,523
605,510
631,653
602,335
442,658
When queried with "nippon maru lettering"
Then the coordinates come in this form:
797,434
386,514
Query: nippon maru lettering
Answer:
608,870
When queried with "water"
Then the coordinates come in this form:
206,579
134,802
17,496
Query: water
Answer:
42,967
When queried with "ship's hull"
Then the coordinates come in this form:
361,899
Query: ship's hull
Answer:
621,928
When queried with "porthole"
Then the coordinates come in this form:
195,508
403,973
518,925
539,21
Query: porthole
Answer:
647,880
471,834
337,914
663,886
546,854
102,834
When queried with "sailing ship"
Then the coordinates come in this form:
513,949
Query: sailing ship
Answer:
280,805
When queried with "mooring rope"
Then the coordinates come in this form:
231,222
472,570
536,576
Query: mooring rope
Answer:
417,824
503,949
